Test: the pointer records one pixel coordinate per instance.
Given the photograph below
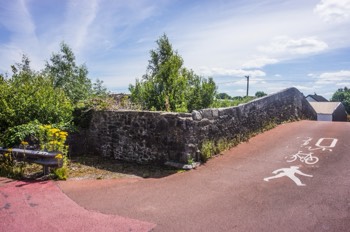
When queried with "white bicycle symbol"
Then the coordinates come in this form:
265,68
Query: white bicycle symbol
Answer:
304,158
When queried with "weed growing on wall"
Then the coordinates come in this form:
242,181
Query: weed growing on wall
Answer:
207,150
268,126
209,147
223,145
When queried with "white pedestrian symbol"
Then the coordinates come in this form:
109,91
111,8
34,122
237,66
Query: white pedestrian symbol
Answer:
289,172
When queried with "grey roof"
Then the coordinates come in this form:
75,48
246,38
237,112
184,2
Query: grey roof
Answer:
318,98
325,107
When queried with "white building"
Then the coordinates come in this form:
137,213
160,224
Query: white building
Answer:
329,111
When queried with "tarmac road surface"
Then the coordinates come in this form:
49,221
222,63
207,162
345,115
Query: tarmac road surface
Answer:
229,192
295,177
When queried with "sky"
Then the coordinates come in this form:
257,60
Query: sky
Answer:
278,43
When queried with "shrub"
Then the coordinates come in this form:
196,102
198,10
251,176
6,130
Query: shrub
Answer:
27,97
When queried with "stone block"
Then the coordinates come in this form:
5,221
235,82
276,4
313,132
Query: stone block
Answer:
196,115
207,113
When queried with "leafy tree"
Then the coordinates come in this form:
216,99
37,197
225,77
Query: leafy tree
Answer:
200,91
342,95
98,89
28,96
260,94
168,86
68,76
223,96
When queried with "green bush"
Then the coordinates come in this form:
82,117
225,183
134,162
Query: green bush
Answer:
27,97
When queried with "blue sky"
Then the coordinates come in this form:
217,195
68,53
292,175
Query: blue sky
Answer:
278,43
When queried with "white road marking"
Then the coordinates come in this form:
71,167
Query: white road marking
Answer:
288,172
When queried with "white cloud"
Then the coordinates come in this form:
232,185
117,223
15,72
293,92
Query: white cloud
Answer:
13,54
114,37
284,45
339,77
79,18
305,88
230,72
333,10
343,84
16,18
259,62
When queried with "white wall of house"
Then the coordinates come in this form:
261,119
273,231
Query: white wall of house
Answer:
324,117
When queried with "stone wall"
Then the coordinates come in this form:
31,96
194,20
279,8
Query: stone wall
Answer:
157,137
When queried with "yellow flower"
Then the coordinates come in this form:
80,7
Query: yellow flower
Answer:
54,142
63,134
59,156
6,154
54,130
24,143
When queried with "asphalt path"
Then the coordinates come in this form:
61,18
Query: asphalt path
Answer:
295,177
229,193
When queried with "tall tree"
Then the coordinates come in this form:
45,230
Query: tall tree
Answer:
342,95
168,86
69,76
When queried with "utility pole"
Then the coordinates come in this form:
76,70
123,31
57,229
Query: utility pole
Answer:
247,85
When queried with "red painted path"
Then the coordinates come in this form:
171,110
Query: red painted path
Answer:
41,206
